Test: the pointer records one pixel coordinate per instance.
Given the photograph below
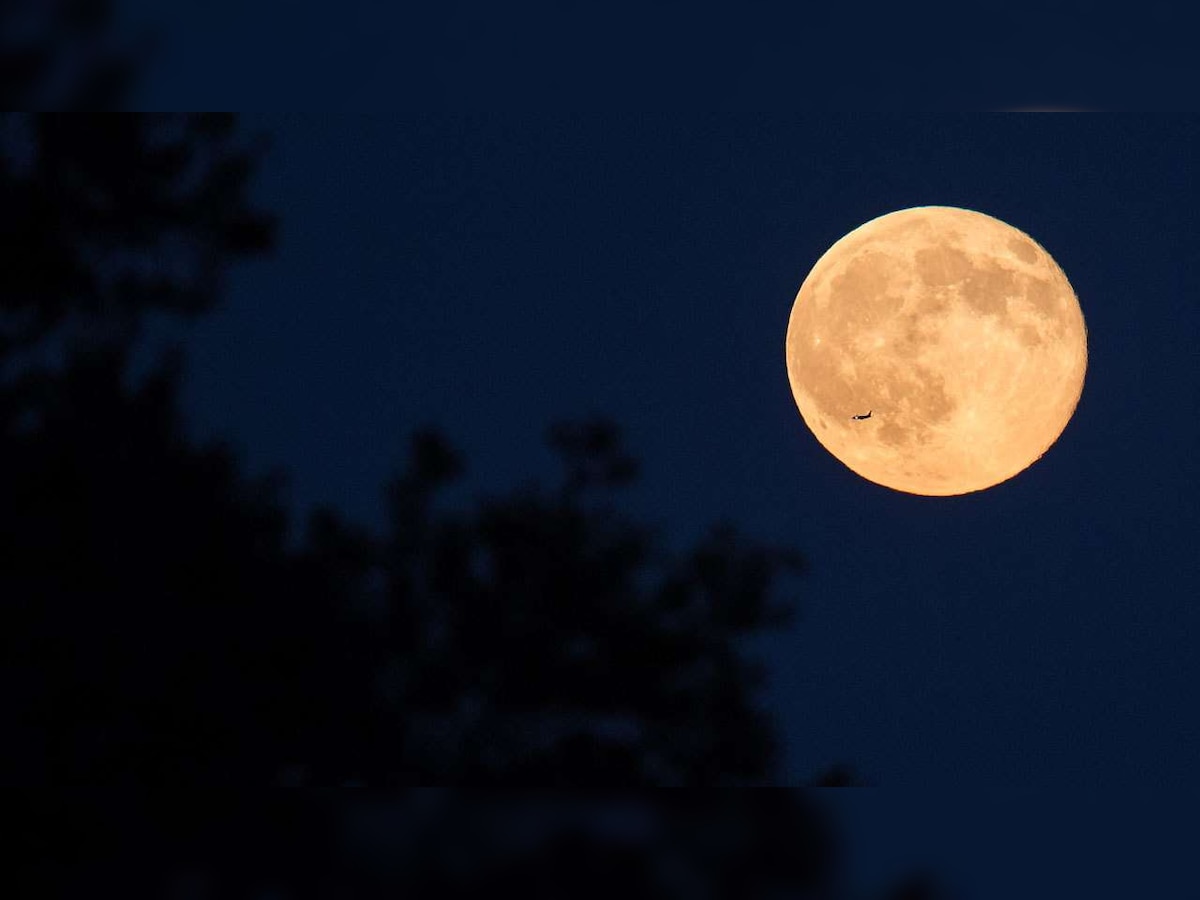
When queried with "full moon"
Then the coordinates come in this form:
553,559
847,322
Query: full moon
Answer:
936,350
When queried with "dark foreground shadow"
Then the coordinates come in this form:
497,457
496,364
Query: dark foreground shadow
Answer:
447,844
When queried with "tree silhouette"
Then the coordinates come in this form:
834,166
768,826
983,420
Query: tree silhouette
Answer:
159,622
548,640
107,219
110,218
159,625
459,844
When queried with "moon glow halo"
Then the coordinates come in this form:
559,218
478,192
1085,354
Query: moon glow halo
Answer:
957,332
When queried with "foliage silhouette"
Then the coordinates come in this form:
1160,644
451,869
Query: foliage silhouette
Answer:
555,643
160,626
107,219
463,845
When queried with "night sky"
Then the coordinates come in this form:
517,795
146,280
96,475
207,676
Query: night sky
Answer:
492,274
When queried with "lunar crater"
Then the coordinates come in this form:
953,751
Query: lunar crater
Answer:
1023,250
939,266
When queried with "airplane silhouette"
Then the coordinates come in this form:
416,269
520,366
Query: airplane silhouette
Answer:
867,416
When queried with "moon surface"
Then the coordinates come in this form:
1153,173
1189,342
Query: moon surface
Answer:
957,332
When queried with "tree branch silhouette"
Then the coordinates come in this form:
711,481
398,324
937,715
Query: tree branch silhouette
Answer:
162,625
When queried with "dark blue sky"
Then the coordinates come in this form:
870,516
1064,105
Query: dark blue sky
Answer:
490,275
1004,844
